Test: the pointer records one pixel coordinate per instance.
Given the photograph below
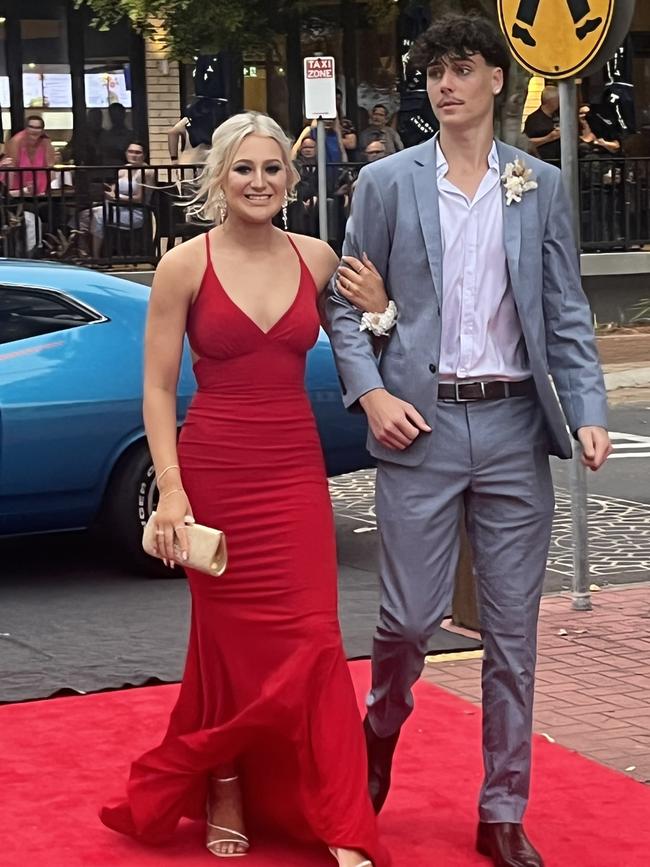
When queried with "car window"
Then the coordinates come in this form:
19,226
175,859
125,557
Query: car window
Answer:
27,312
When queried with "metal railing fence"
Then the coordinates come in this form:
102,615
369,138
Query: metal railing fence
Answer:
118,216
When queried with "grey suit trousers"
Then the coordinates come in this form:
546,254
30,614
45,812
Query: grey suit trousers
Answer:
493,456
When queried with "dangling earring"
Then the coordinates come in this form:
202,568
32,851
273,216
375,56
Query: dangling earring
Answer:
285,220
222,205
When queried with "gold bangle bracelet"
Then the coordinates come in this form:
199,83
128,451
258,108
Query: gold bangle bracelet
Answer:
166,470
173,491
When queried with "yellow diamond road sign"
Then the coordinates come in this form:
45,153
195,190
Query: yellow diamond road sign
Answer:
555,38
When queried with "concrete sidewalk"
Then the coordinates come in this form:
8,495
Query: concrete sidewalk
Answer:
625,359
593,677
627,375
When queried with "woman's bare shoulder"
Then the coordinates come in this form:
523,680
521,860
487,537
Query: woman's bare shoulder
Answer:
183,266
319,257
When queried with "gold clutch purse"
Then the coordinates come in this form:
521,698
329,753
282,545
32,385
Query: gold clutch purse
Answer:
207,547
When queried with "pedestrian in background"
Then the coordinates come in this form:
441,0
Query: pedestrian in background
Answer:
376,148
542,126
31,149
116,138
379,122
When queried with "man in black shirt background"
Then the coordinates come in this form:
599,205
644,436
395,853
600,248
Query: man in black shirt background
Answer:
542,126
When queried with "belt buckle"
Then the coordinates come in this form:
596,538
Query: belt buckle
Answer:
460,399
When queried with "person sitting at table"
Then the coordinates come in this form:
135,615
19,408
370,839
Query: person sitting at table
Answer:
31,148
124,202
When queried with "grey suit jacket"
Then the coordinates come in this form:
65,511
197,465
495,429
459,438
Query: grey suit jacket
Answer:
395,220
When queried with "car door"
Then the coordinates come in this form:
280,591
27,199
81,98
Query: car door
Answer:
342,433
46,397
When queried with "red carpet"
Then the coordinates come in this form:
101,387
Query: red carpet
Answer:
60,759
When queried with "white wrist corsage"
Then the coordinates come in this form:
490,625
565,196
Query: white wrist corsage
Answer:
379,324
517,180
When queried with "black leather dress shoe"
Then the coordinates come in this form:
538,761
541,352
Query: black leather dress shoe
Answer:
380,760
507,845
588,27
520,32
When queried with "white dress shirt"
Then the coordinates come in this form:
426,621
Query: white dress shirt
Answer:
481,333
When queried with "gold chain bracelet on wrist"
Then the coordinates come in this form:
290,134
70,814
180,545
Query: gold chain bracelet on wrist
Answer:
173,491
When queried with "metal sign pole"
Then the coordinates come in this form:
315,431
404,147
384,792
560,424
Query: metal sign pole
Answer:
569,149
321,161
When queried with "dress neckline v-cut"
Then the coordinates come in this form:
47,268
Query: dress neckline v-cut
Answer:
237,307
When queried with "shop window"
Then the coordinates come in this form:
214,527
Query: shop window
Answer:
533,97
642,90
377,72
277,86
47,84
5,96
265,81
255,86
107,81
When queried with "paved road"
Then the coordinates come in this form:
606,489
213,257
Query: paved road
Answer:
627,474
71,600
619,506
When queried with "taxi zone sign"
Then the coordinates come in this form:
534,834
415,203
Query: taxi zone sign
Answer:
320,87
319,67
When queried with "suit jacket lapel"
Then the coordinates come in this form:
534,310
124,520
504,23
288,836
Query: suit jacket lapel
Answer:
511,221
426,195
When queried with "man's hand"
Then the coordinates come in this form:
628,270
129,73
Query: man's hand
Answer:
596,446
394,422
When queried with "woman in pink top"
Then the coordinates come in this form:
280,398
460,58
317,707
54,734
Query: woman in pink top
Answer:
31,148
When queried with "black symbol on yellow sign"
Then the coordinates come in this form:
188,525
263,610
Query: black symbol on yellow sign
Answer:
527,12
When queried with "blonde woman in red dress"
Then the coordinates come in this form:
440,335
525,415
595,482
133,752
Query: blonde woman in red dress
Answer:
266,732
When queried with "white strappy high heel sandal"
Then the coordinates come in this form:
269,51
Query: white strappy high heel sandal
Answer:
230,835
365,863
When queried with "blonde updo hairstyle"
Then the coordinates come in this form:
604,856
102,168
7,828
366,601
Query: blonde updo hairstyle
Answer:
226,141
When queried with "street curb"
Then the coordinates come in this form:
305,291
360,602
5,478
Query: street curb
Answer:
635,377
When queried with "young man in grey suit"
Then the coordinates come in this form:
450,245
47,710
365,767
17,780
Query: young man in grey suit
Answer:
483,273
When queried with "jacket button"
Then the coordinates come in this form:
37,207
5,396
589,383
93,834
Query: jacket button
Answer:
433,368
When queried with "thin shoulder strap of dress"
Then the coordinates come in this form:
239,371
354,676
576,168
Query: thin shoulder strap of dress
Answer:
207,249
304,267
295,247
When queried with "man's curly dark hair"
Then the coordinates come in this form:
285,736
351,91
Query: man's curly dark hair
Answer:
460,36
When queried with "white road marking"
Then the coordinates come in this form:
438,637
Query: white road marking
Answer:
627,445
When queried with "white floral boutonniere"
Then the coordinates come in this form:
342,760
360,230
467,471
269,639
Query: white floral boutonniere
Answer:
517,180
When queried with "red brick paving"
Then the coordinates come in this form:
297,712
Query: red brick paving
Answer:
593,684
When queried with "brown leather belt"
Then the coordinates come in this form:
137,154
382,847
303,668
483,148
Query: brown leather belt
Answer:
461,392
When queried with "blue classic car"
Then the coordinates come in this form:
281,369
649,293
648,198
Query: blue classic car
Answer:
72,448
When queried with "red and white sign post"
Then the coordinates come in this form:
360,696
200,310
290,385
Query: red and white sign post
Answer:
320,87
320,103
